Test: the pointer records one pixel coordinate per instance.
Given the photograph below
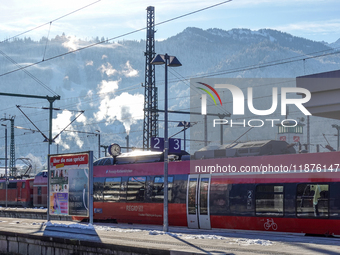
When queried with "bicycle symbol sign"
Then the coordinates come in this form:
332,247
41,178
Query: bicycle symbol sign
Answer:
270,224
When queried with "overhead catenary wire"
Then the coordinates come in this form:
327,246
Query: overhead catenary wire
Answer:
212,74
288,60
48,35
266,64
107,40
28,73
50,22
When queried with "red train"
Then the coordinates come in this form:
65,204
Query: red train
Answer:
285,193
25,191
261,185
19,192
40,190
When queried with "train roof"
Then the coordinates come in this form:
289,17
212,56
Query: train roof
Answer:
243,149
252,148
139,157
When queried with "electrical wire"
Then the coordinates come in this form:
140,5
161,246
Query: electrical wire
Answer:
28,73
50,22
107,40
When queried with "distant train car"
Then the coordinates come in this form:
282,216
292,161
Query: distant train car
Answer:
19,192
40,189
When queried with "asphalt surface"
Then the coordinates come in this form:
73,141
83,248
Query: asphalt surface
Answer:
214,241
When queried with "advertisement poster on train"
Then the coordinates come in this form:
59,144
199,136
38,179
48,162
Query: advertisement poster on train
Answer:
69,184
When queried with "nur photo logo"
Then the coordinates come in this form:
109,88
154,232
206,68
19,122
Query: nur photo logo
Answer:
204,97
240,101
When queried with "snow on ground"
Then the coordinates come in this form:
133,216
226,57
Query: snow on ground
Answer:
74,225
22,208
243,241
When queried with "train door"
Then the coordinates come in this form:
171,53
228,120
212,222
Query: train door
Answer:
19,188
198,193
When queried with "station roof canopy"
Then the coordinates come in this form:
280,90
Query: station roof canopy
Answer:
325,90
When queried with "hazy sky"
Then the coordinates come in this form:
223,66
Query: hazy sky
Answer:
313,19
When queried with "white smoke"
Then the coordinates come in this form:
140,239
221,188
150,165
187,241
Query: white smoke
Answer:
108,70
63,119
125,108
89,63
37,166
108,87
72,43
128,71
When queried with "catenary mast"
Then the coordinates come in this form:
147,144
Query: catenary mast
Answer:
150,127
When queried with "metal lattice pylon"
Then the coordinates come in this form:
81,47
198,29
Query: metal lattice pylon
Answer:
12,146
150,128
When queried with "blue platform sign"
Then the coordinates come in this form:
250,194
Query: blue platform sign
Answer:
157,144
174,145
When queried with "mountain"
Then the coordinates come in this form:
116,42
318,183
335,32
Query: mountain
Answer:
105,80
335,45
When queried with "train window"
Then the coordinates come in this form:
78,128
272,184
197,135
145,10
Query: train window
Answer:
136,189
192,196
23,185
204,196
312,200
102,162
158,188
98,187
112,189
12,185
123,188
2,185
107,162
269,200
39,191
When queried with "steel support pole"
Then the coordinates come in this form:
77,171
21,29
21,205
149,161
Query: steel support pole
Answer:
185,146
99,146
48,159
6,178
166,148
338,128
205,130
91,187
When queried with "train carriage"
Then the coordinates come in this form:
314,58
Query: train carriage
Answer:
40,189
19,192
207,194
286,192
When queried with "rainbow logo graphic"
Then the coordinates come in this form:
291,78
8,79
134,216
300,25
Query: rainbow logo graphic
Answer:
209,93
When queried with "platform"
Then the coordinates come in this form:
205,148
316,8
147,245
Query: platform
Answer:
27,236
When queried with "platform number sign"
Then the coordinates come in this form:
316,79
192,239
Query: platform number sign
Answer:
157,144
174,145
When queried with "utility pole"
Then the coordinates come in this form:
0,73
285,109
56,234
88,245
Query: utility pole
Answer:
6,178
50,100
338,129
12,146
127,137
150,125
105,148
